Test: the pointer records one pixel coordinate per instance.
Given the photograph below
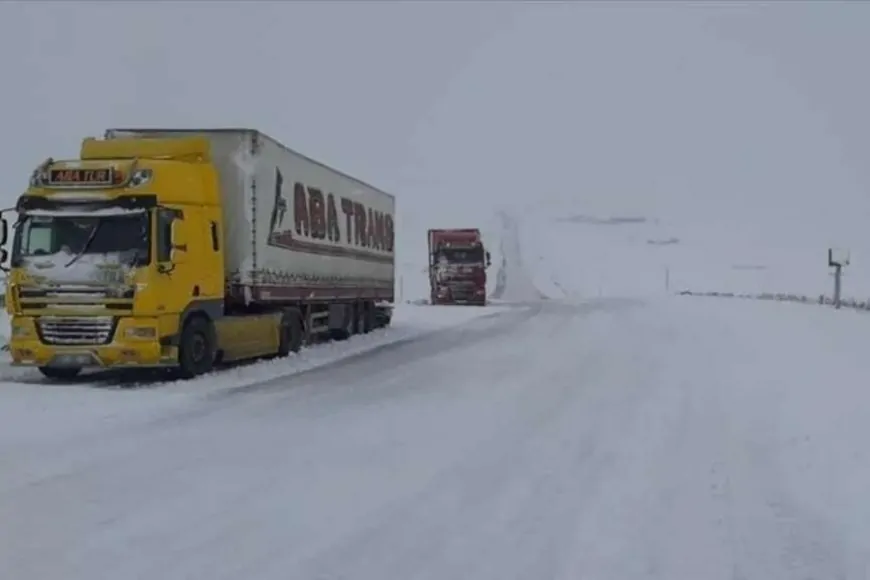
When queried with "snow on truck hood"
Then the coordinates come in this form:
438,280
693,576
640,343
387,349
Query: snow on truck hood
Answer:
103,269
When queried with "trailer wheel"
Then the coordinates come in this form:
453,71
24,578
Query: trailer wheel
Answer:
291,333
196,350
383,317
349,328
60,373
359,326
367,317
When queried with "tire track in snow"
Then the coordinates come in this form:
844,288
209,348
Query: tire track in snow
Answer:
510,523
328,387
402,353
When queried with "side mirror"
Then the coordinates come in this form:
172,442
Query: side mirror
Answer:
488,260
179,241
4,237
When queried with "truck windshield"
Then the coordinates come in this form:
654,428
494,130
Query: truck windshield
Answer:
462,255
123,236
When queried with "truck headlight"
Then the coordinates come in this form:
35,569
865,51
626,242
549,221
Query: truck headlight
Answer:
142,332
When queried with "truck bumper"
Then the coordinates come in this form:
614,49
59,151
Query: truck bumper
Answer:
35,354
476,298
27,350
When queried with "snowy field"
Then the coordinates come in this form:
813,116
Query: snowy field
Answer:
557,435
642,255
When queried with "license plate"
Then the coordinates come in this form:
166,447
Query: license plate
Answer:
73,360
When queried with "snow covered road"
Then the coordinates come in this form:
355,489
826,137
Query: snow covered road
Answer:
676,439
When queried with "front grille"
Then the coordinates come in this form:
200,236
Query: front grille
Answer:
76,330
463,290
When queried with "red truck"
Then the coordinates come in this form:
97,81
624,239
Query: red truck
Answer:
457,266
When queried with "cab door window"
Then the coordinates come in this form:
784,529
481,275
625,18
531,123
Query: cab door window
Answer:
165,218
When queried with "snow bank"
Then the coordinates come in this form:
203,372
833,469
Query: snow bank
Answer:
5,329
514,282
409,321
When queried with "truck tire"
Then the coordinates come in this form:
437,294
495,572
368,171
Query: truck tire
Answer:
359,325
60,373
196,350
349,328
291,333
383,317
367,310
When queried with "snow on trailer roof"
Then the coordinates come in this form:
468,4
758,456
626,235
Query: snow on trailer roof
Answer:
246,130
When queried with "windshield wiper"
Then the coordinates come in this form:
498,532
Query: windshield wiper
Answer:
87,244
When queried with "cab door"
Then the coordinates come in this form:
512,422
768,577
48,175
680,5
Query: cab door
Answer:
174,263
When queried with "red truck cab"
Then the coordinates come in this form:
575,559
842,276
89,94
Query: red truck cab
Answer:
457,266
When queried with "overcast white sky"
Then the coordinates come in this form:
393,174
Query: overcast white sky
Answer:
721,113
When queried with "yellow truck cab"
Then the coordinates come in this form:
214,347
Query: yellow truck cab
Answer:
140,254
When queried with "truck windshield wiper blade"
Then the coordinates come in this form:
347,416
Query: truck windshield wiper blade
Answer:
87,244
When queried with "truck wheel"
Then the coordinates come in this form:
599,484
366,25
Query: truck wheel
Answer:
60,373
383,317
196,351
291,333
367,313
349,327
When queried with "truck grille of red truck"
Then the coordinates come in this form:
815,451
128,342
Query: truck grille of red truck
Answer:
463,290
66,330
